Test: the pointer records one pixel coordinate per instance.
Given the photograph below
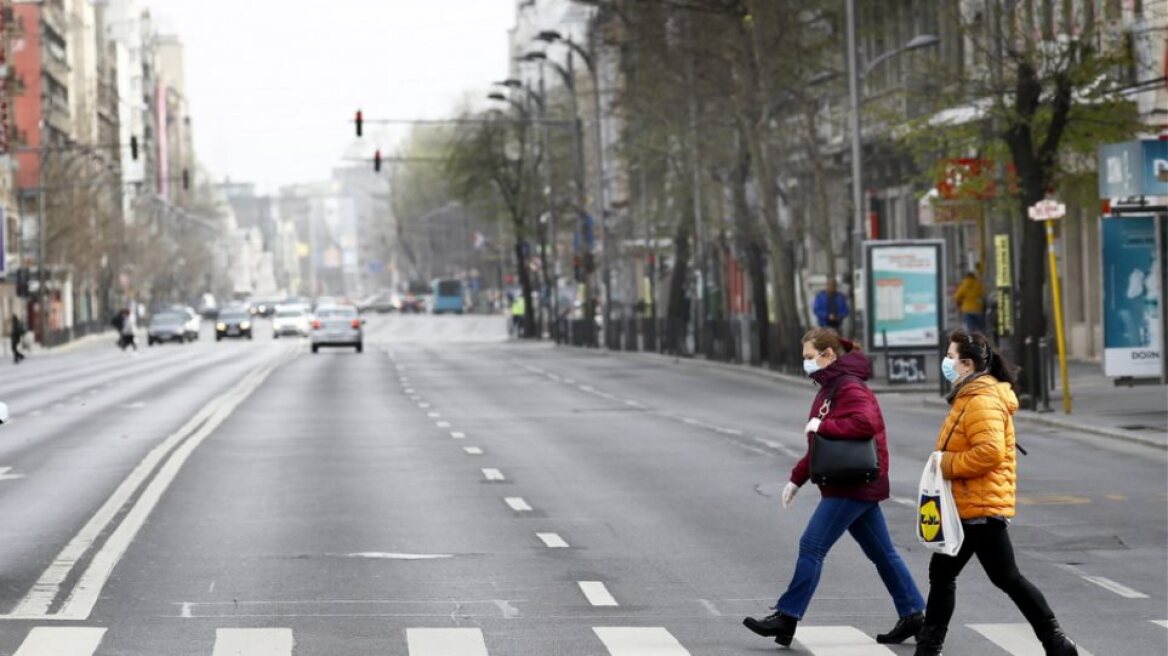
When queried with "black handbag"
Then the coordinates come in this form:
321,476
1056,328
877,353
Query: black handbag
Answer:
842,461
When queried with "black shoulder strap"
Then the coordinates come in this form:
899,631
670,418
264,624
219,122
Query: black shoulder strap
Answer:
951,429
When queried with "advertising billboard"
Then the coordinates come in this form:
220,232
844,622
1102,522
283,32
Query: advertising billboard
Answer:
905,282
1131,297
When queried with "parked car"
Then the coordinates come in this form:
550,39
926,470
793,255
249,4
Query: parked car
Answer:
337,325
290,320
233,323
167,327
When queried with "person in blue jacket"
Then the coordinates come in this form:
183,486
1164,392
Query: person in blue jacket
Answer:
831,306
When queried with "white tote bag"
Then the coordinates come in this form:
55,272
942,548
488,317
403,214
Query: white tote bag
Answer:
938,525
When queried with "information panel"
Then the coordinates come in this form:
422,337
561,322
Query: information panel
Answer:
1131,297
905,292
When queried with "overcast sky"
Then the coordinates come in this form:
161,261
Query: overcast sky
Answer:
273,84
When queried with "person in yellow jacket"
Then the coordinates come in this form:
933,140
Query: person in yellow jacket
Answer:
518,310
970,300
977,441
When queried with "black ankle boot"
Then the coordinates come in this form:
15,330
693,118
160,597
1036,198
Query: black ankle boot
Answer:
906,627
777,625
930,639
1054,641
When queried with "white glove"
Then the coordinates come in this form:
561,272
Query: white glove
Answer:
789,493
812,425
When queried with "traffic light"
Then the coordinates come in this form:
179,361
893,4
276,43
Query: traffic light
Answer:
360,122
377,161
134,148
186,180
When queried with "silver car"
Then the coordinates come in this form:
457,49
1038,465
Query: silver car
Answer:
337,325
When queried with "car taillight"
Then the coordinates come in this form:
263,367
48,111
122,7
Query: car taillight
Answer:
356,323
316,325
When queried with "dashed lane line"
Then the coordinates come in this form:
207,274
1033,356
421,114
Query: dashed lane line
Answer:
596,593
552,540
473,451
492,474
517,504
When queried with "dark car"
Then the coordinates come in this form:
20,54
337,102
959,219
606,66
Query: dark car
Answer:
167,327
264,308
233,323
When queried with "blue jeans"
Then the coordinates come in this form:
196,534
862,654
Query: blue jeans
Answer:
865,522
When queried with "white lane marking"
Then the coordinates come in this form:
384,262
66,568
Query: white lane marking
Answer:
633,404
555,378
472,450
443,424
839,641
36,413
173,453
1105,583
1163,623
552,540
710,607
517,504
186,610
458,436
781,448
587,388
5,476
253,642
639,641
61,641
903,501
434,415
570,381
492,474
1017,639
382,555
446,642
596,593
409,390
729,431
691,421
423,405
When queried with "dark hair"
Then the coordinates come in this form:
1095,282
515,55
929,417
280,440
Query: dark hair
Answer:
976,348
826,338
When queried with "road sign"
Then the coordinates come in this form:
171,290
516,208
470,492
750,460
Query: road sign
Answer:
1047,210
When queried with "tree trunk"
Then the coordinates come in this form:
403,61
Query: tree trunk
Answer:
525,283
679,310
752,244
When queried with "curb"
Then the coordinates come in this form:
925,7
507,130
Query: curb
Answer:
1030,417
1024,416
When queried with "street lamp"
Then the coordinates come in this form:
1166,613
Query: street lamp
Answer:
856,234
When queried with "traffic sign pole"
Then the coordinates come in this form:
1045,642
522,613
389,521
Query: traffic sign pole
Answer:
1049,211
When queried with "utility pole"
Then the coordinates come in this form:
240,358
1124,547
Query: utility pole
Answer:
856,234
699,309
600,185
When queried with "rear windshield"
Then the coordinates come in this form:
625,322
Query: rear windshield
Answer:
169,318
289,314
336,313
449,288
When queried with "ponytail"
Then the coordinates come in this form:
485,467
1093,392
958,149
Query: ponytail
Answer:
976,348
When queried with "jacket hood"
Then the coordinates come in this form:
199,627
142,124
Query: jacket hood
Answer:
853,363
987,385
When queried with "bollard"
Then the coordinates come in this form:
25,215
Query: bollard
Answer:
1043,369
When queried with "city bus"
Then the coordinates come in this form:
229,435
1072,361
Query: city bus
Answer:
447,296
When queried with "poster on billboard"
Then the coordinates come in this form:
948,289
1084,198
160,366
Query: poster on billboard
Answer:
1131,297
905,293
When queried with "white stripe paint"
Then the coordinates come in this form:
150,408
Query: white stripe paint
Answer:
596,593
434,415
446,642
839,641
517,504
423,405
1117,588
903,501
633,404
1017,638
172,453
493,474
473,451
253,642
458,435
5,476
729,431
555,378
552,540
1163,623
639,641
409,390
61,641
384,555
443,424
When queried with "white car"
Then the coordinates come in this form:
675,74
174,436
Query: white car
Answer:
337,325
290,320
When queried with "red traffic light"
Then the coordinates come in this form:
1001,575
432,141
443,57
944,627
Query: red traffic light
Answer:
360,123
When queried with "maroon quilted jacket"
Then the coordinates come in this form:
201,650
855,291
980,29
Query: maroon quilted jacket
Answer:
854,413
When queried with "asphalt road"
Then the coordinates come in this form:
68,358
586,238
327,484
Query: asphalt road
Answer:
451,493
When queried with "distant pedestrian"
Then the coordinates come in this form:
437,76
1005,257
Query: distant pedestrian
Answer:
978,443
844,408
16,334
127,328
970,300
518,314
831,306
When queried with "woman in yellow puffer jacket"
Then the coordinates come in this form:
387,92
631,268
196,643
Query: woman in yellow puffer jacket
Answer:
977,439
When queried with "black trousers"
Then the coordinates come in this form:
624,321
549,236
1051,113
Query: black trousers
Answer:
990,542
17,356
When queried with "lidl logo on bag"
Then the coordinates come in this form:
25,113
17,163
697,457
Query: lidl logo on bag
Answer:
930,519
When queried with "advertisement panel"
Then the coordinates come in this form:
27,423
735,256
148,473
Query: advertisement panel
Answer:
1131,297
905,293
1133,168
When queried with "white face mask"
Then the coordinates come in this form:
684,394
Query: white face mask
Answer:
949,369
810,366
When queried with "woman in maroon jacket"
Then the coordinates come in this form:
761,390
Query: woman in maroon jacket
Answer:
840,369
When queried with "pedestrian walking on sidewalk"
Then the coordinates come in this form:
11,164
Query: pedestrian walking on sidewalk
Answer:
830,306
127,326
970,299
979,458
16,334
849,410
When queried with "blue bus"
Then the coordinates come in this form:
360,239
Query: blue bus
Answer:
447,296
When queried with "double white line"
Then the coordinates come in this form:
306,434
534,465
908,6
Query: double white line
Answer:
152,476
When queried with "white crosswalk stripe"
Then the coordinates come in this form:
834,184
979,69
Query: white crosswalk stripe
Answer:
1163,623
253,642
839,641
446,642
61,641
1017,639
639,641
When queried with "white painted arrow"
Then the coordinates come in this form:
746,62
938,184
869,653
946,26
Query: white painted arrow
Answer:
5,476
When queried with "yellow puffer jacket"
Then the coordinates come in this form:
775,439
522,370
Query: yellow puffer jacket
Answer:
980,458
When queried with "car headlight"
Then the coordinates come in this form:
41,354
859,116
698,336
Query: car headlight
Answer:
220,326
245,325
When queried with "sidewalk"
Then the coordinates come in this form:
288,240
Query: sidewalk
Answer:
1136,414
36,351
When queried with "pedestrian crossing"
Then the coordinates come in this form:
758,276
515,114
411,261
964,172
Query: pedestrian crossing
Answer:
1016,639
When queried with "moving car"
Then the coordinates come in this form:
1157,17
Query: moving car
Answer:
167,327
233,323
290,320
193,324
381,302
264,308
337,325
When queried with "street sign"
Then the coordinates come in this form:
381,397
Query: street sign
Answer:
1047,210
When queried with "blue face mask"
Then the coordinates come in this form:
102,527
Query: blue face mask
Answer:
949,369
810,366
